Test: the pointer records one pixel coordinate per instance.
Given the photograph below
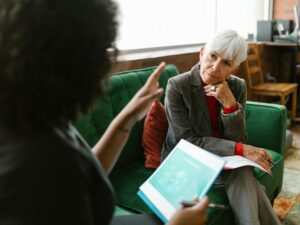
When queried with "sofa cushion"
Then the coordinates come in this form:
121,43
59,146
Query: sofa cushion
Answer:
119,211
154,134
127,182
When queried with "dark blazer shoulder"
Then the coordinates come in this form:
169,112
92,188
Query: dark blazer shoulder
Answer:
181,80
181,77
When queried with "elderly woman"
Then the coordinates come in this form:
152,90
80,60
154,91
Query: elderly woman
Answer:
206,106
53,58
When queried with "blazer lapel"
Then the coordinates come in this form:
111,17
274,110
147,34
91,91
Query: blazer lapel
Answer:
198,97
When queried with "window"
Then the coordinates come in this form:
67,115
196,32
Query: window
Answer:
241,15
160,23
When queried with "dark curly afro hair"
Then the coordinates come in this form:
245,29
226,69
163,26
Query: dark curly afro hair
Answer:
53,58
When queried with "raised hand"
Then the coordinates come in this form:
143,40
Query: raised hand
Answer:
111,143
222,93
140,103
258,155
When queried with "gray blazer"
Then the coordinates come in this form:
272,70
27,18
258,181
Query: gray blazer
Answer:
189,118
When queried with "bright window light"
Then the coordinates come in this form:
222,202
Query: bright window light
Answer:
160,23
240,15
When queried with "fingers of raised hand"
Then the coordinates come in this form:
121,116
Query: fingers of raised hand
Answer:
156,94
156,74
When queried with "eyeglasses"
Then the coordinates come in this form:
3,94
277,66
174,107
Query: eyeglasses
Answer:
112,53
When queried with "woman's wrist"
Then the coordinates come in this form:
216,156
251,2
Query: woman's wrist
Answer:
125,122
123,129
230,104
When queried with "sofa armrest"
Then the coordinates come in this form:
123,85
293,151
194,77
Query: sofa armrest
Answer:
266,125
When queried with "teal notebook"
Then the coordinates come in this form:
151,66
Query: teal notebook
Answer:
187,171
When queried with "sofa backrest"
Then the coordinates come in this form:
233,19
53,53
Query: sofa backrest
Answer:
122,87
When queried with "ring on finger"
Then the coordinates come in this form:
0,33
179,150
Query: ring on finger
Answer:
213,88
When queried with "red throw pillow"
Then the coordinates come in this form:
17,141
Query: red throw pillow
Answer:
154,134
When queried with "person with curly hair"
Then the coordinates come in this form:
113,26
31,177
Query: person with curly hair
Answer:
53,63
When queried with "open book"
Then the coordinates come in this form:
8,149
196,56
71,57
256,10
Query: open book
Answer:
233,162
187,171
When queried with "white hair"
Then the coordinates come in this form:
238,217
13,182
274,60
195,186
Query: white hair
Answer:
230,44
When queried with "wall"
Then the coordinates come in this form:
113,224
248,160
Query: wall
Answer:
283,9
184,62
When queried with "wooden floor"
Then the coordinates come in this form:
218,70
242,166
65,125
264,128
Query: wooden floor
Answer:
287,204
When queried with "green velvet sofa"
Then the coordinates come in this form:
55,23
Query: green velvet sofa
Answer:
266,126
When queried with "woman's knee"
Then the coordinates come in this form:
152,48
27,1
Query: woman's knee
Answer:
241,175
